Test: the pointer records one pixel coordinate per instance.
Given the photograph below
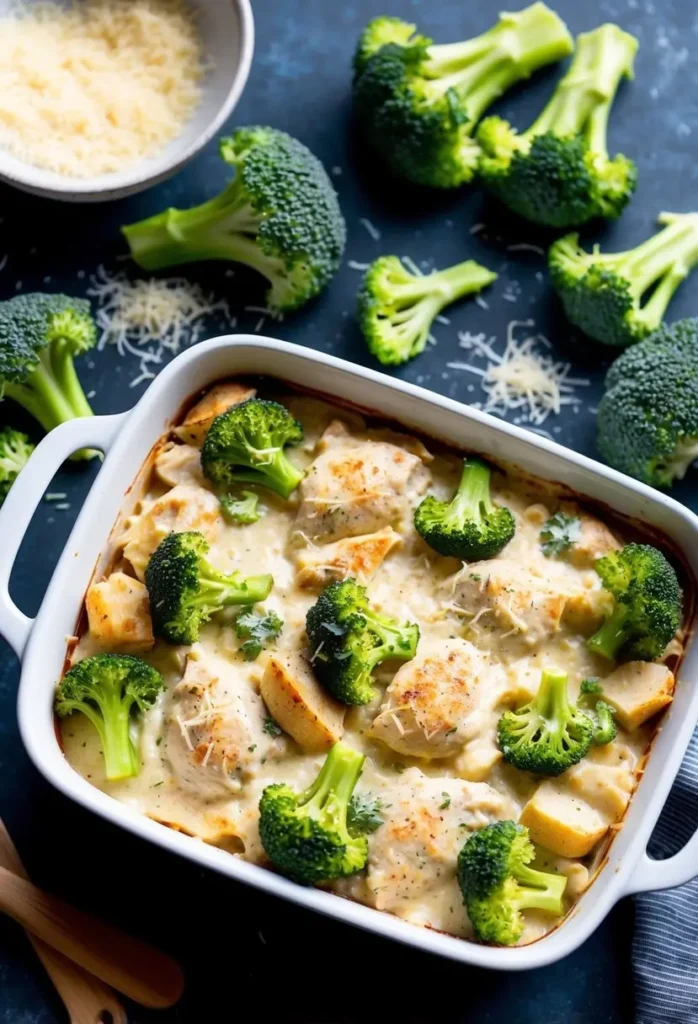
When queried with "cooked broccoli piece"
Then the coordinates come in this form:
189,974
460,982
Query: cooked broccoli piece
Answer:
240,511
602,294
185,590
469,527
498,884
605,727
15,449
258,631
279,215
559,173
39,337
548,735
365,813
397,308
110,689
648,416
648,604
348,640
305,835
559,533
418,104
247,443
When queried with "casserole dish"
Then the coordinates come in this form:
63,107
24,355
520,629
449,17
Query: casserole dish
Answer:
127,440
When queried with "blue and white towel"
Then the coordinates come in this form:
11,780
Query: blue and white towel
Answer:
665,948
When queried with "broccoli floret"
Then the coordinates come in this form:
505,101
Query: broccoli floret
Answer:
602,713
39,337
15,449
305,835
498,884
559,173
110,689
240,511
348,640
559,533
648,417
397,308
602,294
258,631
648,604
548,735
247,443
185,590
469,527
365,813
279,215
418,104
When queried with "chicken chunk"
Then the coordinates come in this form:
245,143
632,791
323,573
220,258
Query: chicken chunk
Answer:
526,605
217,399
356,487
594,540
183,508
438,701
637,691
360,557
215,734
413,854
118,613
179,464
299,704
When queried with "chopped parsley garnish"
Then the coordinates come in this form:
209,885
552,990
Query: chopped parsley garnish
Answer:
271,728
559,533
446,801
257,631
364,813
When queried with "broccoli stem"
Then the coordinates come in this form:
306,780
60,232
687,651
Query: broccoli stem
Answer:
472,499
540,890
279,473
442,287
667,258
113,726
608,640
218,590
552,701
395,641
332,789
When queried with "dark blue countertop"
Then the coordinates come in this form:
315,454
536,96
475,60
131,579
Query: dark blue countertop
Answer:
249,957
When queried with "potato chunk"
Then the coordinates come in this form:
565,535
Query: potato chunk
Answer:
360,557
299,704
183,508
179,464
118,612
217,399
638,690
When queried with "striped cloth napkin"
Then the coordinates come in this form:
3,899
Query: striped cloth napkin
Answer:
665,947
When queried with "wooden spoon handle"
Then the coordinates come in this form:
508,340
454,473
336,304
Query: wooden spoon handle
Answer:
86,999
130,966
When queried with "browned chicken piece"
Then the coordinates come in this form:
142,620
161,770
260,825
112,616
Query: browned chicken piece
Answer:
586,610
118,613
637,691
217,399
356,487
299,704
179,464
594,540
360,557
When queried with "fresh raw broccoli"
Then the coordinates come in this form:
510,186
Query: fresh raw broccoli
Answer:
39,337
15,449
648,417
548,735
559,533
348,640
365,813
258,631
247,443
559,173
396,308
305,835
591,693
498,884
469,527
648,604
240,511
185,590
110,689
418,104
602,293
279,215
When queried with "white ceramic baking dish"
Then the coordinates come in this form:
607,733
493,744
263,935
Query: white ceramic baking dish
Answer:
128,438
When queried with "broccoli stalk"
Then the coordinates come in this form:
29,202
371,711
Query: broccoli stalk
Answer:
418,104
548,735
559,173
305,835
279,215
497,883
15,449
397,308
469,527
602,293
108,689
648,604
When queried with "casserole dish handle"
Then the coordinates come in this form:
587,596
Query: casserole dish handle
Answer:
650,874
25,495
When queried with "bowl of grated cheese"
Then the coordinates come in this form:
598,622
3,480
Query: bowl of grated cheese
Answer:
100,99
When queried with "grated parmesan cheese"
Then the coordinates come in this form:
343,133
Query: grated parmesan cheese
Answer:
96,86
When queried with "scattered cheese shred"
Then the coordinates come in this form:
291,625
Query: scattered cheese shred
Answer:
96,86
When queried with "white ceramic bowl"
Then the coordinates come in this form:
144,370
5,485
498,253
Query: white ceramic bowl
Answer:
128,438
227,31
